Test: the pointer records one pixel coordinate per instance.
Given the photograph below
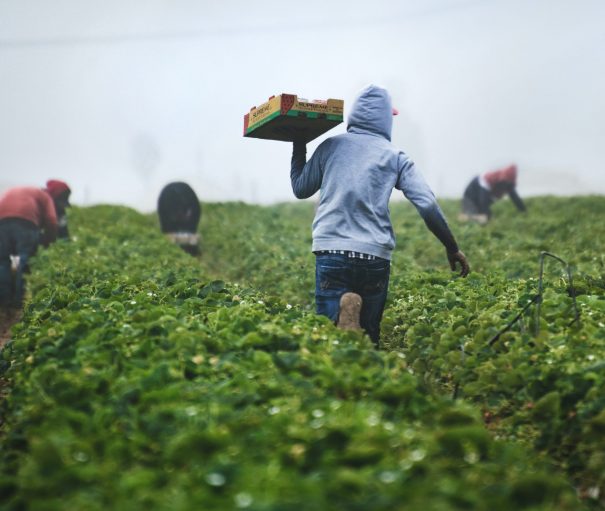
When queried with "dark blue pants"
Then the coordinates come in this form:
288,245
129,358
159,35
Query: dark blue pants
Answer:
17,238
336,274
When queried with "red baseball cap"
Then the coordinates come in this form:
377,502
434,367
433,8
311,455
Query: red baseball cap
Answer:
55,188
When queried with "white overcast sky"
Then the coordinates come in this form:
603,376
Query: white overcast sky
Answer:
119,97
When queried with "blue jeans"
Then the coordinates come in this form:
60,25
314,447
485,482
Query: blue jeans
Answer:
18,238
336,274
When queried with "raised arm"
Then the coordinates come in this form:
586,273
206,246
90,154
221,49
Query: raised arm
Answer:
305,176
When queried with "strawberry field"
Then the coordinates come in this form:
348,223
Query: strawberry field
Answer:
142,378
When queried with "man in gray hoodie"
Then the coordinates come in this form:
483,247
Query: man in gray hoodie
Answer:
353,238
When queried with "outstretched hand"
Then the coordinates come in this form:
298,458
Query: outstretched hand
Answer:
459,257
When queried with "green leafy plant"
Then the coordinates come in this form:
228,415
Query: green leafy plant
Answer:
141,377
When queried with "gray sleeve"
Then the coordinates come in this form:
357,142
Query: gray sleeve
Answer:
305,176
417,191
412,184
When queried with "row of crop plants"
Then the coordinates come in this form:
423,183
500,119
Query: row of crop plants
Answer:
544,391
542,382
136,381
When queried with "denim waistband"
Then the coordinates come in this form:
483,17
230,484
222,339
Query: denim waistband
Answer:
21,222
348,253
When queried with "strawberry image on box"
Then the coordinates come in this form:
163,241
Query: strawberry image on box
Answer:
287,117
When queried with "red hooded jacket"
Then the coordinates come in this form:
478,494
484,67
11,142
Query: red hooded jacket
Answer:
32,204
497,179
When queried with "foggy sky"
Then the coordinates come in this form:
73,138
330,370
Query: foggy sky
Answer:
119,97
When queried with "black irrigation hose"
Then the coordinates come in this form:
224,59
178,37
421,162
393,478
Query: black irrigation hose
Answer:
538,299
535,298
571,287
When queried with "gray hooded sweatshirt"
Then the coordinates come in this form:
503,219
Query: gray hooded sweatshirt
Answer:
355,174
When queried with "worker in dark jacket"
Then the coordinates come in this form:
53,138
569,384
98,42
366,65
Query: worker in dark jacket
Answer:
486,188
27,218
179,212
60,193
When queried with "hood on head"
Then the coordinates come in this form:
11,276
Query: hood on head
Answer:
372,112
56,189
506,175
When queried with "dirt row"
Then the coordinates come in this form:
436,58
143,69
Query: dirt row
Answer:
8,317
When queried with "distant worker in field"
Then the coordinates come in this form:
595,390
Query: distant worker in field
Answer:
485,189
27,218
60,193
352,233
179,212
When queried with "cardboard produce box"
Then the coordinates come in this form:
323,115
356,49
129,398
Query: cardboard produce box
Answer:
286,117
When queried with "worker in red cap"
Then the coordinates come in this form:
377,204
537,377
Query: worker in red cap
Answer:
486,188
27,218
60,193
